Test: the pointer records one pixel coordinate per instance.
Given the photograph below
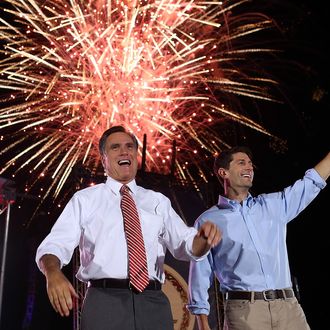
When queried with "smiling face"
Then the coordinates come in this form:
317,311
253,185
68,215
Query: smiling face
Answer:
239,176
120,157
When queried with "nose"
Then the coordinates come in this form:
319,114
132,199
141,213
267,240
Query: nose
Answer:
250,167
123,150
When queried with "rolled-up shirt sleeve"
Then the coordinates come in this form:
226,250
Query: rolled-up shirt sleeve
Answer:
200,280
64,235
312,174
177,236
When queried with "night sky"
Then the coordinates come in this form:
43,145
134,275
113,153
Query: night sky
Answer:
302,121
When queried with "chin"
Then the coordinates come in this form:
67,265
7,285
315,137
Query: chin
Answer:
127,179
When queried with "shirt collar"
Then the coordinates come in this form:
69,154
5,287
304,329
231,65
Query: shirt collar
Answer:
226,203
116,185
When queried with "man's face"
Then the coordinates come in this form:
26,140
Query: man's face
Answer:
240,173
120,157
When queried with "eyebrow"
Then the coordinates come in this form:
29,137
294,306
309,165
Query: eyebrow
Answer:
116,144
244,160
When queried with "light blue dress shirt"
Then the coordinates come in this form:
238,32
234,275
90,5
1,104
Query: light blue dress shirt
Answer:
252,254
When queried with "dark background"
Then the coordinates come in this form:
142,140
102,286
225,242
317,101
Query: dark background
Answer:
302,122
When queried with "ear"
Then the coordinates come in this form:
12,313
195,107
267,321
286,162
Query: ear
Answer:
104,161
222,173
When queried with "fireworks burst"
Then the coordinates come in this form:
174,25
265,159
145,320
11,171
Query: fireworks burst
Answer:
72,68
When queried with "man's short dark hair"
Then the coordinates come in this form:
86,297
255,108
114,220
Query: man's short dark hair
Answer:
111,130
226,156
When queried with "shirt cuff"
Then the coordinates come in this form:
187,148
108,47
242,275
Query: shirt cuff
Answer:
197,310
313,175
189,248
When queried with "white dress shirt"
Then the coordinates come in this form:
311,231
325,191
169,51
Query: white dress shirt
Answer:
93,220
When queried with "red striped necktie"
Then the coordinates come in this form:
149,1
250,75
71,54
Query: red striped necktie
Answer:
138,270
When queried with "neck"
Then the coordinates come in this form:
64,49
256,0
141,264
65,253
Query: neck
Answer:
236,194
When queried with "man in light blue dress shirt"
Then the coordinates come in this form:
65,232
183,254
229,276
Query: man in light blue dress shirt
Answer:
251,261
93,220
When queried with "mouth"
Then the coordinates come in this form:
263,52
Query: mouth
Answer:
124,162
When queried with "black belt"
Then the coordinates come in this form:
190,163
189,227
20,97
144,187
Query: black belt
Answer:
115,283
263,295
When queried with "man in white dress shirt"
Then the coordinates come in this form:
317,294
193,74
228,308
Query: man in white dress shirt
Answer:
93,220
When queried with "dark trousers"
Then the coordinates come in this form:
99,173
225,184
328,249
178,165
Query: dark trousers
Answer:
123,309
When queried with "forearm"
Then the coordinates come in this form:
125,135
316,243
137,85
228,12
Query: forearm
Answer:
202,321
200,246
207,237
49,263
323,167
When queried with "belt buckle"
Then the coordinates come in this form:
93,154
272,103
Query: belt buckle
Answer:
264,294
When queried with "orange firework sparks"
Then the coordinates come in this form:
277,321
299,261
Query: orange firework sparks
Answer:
72,68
